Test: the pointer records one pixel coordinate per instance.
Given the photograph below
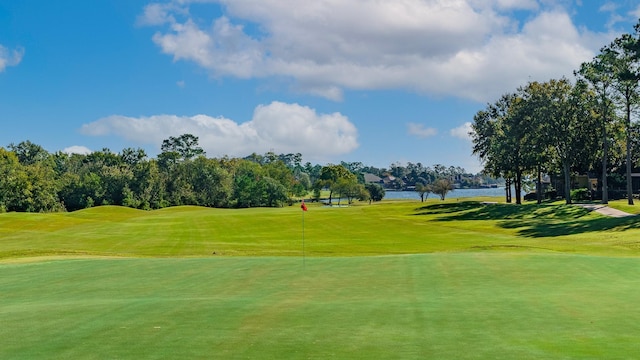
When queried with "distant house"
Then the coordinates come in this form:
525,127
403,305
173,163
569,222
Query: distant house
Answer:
372,179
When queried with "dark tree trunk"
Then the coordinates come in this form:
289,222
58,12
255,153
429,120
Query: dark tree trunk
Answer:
605,155
539,186
567,181
629,182
518,187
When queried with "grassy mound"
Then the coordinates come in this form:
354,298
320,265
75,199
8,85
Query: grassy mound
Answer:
401,227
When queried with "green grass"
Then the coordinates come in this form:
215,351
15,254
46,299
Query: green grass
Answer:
624,206
401,227
462,306
466,281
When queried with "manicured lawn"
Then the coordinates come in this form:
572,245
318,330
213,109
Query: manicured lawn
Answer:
624,206
441,280
402,227
463,306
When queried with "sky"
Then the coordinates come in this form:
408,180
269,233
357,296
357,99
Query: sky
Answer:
374,81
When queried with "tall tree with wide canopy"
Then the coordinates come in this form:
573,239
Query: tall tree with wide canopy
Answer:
500,135
184,147
626,77
599,74
330,175
565,124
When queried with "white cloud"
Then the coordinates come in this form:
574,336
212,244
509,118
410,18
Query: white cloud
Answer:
158,14
467,48
281,127
77,149
463,131
420,130
10,57
506,4
608,7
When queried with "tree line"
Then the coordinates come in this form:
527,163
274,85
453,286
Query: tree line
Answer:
565,127
34,180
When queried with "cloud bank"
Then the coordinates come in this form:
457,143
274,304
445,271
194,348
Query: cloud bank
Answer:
278,127
475,49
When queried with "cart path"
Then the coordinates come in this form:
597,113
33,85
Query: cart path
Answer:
605,210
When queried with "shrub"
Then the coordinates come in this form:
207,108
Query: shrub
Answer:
580,194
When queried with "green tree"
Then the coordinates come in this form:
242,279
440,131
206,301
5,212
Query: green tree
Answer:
423,189
184,147
212,184
347,187
442,187
42,189
29,153
626,77
562,113
280,172
599,73
329,176
12,178
302,183
133,157
247,191
500,138
273,192
376,192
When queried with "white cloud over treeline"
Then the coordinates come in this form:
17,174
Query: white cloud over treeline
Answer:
474,49
77,149
279,127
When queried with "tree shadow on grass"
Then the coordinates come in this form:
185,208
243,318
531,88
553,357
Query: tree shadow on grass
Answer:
532,220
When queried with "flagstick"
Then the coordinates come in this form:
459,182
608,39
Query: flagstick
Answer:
304,265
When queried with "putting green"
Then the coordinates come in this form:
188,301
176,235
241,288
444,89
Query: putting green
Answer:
447,305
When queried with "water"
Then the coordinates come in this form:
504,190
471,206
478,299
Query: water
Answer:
457,193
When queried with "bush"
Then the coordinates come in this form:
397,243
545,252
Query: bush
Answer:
580,194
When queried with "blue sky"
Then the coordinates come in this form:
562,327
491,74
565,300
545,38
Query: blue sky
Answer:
354,80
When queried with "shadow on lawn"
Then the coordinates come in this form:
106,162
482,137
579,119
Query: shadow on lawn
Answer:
533,220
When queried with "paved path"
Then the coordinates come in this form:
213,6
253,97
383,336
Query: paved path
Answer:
605,210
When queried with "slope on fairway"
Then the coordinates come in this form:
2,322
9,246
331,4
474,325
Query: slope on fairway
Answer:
443,306
404,227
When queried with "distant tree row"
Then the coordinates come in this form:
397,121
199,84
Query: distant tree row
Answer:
34,180
565,128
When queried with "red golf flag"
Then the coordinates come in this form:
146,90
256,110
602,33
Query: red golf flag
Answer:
303,206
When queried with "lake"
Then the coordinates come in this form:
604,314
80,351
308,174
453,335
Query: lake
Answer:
457,193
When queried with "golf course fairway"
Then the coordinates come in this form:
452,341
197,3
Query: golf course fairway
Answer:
396,280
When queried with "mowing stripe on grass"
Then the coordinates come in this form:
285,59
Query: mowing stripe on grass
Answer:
464,306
